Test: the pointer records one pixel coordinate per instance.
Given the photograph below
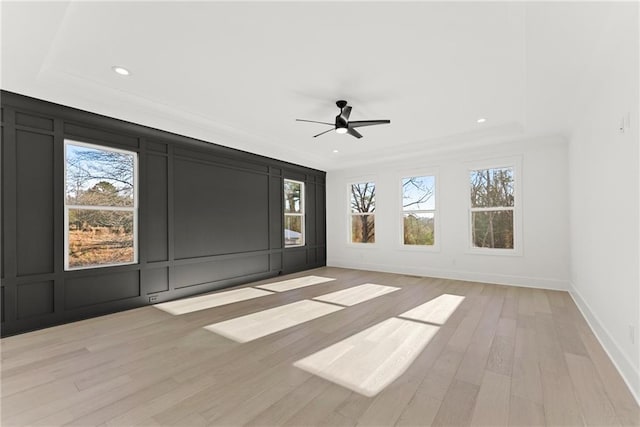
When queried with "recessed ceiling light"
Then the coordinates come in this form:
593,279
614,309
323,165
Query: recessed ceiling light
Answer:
335,151
120,70
481,120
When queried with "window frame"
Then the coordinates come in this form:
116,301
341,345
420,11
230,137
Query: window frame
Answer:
515,163
436,221
135,208
350,214
302,213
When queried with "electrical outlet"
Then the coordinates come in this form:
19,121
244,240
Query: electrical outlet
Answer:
153,298
632,334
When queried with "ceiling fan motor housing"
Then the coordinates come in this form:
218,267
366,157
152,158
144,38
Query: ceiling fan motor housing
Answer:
341,122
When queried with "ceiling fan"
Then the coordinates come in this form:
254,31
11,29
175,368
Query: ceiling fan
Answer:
342,124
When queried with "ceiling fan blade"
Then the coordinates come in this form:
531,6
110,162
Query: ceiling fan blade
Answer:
322,133
346,112
314,121
360,123
354,132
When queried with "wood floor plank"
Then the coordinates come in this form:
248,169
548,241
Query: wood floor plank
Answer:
591,395
625,405
510,306
492,404
525,413
389,405
103,410
457,407
504,355
526,344
189,305
353,407
250,402
541,302
288,406
421,411
525,302
257,325
549,347
438,379
318,409
356,294
473,364
59,403
506,325
525,379
296,283
560,406
569,338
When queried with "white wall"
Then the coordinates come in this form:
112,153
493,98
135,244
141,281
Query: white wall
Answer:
604,206
545,256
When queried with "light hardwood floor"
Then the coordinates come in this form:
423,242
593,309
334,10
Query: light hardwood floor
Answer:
504,356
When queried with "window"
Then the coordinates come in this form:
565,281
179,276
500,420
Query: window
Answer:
418,210
101,206
293,213
363,206
492,208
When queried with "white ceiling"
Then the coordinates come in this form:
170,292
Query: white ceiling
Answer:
239,74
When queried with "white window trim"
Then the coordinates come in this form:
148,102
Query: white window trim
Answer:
516,164
351,214
436,214
301,214
133,209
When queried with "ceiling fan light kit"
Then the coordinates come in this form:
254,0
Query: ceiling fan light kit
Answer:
342,124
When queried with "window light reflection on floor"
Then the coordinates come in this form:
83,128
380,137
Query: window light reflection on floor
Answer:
189,305
356,294
298,282
257,325
436,311
370,360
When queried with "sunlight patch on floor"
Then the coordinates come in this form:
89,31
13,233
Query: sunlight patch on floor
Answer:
436,311
256,325
356,294
370,360
189,305
299,282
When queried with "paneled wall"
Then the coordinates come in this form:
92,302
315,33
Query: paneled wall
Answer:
209,217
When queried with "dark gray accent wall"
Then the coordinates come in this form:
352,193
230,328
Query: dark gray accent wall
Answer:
209,217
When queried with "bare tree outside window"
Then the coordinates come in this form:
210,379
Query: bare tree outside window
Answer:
492,208
100,206
363,206
418,210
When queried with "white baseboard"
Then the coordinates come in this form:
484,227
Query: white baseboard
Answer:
498,279
619,358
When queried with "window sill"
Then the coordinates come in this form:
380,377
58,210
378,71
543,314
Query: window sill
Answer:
419,248
362,245
494,252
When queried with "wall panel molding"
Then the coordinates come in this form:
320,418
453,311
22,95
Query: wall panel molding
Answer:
209,217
